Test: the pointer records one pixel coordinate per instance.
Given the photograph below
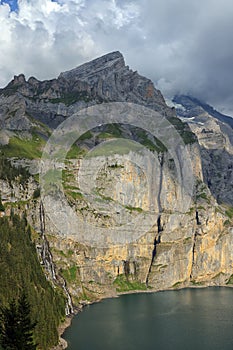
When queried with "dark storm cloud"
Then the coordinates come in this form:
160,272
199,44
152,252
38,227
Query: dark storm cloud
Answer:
189,48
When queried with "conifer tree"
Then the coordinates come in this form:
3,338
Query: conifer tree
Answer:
16,327
8,326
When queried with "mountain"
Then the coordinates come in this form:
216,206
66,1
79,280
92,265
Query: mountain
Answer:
190,104
125,185
214,133
105,79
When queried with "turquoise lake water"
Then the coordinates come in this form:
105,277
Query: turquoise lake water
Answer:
187,319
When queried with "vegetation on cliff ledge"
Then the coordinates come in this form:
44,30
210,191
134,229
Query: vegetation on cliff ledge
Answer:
124,284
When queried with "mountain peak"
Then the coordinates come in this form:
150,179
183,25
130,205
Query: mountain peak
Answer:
19,79
85,71
104,79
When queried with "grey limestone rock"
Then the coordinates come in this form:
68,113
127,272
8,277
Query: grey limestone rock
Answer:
215,136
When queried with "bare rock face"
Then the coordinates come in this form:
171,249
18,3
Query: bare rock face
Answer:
111,80
181,248
215,136
13,114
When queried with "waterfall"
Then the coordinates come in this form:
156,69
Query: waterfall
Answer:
69,306
47,262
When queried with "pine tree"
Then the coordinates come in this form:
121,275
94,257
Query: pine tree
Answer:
8,326
26,325
16,327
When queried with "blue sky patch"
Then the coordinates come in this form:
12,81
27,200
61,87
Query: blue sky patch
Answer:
12,3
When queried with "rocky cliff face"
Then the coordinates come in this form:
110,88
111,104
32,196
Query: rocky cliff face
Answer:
181,248
215,136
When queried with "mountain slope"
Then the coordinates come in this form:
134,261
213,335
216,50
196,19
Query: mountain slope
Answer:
215,136
190,103
21,271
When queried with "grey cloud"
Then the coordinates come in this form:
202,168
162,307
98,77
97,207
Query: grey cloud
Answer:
183,46
191,46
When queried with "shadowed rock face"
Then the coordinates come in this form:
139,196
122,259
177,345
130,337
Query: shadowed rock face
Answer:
181,248
215,136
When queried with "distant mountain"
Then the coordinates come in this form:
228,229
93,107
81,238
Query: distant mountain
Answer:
191,103
215,137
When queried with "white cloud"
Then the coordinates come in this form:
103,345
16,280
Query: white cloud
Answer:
182,46
46,37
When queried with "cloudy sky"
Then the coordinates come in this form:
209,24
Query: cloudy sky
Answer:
184,46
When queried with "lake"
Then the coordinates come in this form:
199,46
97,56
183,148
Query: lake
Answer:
187,319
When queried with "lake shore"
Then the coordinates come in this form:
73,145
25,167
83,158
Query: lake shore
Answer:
67,323
188,318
